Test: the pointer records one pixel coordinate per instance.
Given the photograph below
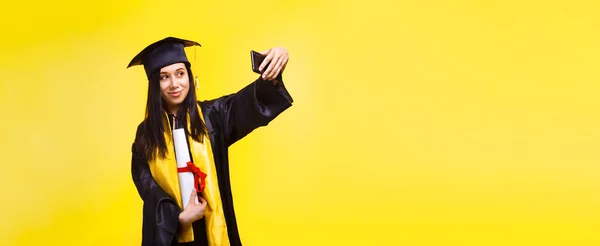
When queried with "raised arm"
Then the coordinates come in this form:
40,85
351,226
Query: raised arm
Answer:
258,103
253,106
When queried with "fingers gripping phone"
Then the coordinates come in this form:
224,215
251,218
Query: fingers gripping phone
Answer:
257,59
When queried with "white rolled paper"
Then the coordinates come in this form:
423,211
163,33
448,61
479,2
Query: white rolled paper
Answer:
182,155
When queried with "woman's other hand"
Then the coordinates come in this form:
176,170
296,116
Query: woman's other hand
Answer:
278,58
194,210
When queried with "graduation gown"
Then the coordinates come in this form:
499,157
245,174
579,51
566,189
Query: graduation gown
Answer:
228,119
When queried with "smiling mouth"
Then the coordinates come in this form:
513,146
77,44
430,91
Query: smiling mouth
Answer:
175,93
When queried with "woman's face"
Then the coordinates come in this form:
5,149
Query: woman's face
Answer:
174,84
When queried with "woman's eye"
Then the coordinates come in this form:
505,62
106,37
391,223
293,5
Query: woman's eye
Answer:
164,77
180,73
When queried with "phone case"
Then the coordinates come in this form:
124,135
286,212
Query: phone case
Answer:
257,59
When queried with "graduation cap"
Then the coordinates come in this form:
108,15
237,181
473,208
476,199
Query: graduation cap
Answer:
162,53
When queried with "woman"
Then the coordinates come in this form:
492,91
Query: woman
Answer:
210,127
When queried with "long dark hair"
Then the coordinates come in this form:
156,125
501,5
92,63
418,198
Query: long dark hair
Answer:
152,135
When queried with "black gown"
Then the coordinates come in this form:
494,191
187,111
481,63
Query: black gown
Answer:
228,119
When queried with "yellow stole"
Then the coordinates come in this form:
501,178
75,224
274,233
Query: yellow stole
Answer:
165,173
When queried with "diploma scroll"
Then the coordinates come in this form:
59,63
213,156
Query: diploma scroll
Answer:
186,179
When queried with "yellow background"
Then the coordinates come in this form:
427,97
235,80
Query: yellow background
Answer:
415,123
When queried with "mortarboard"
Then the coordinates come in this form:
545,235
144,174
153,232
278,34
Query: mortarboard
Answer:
162,53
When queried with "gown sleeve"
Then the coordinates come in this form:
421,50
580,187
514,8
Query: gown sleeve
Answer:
160,212
253,106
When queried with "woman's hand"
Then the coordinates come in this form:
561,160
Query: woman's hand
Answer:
278,57
194,210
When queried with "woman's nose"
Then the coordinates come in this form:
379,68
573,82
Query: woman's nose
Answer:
172,82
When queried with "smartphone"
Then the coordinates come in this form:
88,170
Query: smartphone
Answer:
257,59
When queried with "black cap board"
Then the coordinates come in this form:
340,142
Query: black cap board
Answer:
162,53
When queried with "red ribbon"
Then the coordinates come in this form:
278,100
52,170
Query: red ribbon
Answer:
191,168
